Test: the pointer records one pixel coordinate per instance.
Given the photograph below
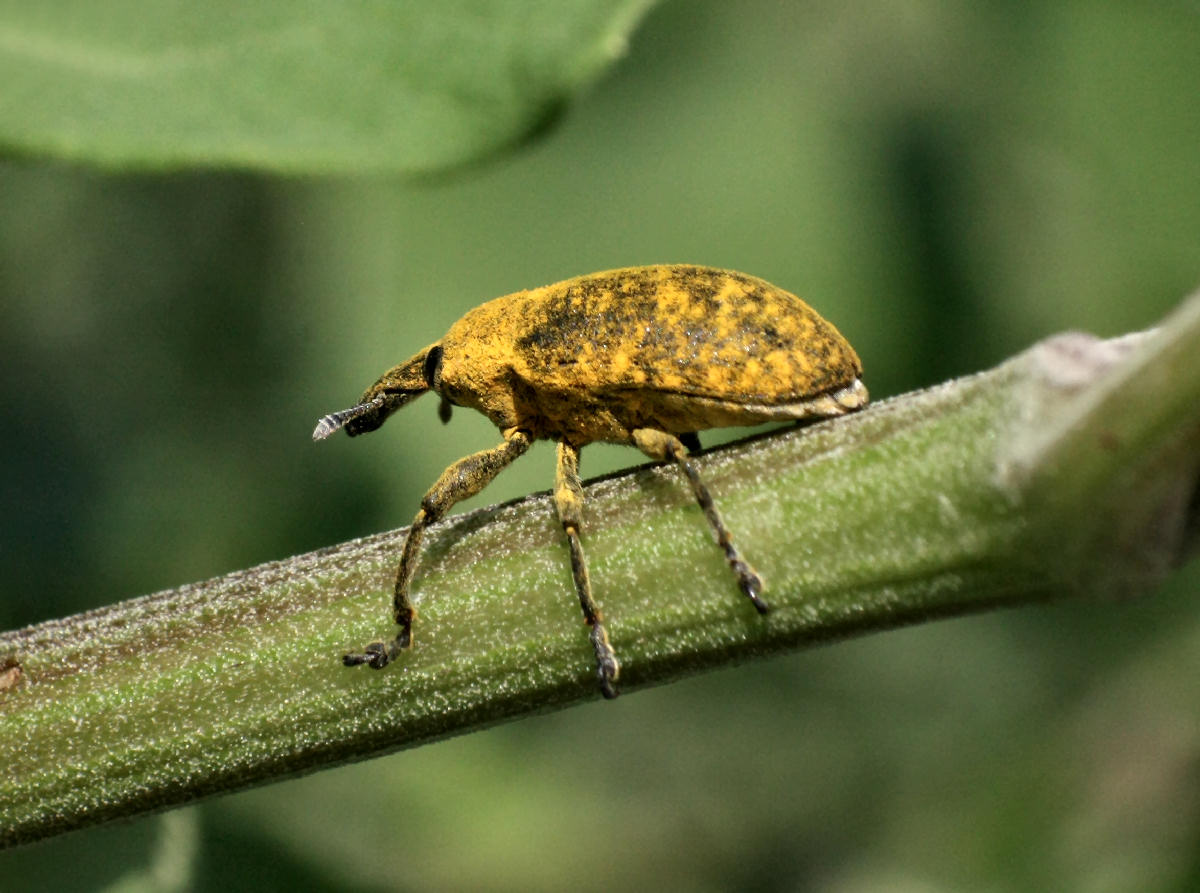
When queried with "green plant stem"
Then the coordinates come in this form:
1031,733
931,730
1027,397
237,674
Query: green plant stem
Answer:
997,489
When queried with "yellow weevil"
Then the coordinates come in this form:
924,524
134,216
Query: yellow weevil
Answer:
645,356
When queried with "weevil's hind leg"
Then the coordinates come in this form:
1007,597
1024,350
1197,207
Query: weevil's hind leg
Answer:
568,500
662,446
691,440
463,479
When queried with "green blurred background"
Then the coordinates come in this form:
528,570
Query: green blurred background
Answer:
948,182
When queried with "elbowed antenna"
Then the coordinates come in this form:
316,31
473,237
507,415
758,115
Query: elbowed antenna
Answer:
337,420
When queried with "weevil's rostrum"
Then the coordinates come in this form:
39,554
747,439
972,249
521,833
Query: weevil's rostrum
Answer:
645,356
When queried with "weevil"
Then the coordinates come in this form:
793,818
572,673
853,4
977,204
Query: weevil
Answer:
644,356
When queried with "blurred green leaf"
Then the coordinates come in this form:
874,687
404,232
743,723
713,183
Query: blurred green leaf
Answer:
315,86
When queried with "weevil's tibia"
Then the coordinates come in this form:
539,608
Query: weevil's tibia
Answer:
568,500
661,446
460,481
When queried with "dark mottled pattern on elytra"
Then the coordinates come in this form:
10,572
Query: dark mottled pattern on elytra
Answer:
685,329
675,347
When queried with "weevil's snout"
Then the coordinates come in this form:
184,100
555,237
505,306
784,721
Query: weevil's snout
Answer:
397,386
365,417
350,419
364,423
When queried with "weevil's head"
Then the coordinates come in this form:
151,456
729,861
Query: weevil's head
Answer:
397,386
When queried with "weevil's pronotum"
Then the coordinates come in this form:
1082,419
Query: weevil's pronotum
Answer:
644,356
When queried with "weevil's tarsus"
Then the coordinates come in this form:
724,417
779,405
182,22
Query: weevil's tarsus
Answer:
460,481
608,669
11,673
751,584
663,446
568,501
376,655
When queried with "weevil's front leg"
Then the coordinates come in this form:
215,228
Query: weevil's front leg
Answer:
662,446
568,499
463,479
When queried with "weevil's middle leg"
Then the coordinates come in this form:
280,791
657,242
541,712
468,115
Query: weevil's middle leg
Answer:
568,500
463,479
662,446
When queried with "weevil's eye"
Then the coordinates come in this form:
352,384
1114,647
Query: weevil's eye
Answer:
433,367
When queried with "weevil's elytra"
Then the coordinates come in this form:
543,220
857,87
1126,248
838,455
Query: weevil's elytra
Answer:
644,356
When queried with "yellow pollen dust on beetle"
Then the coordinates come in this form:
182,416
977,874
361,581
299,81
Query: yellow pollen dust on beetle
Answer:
644,356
